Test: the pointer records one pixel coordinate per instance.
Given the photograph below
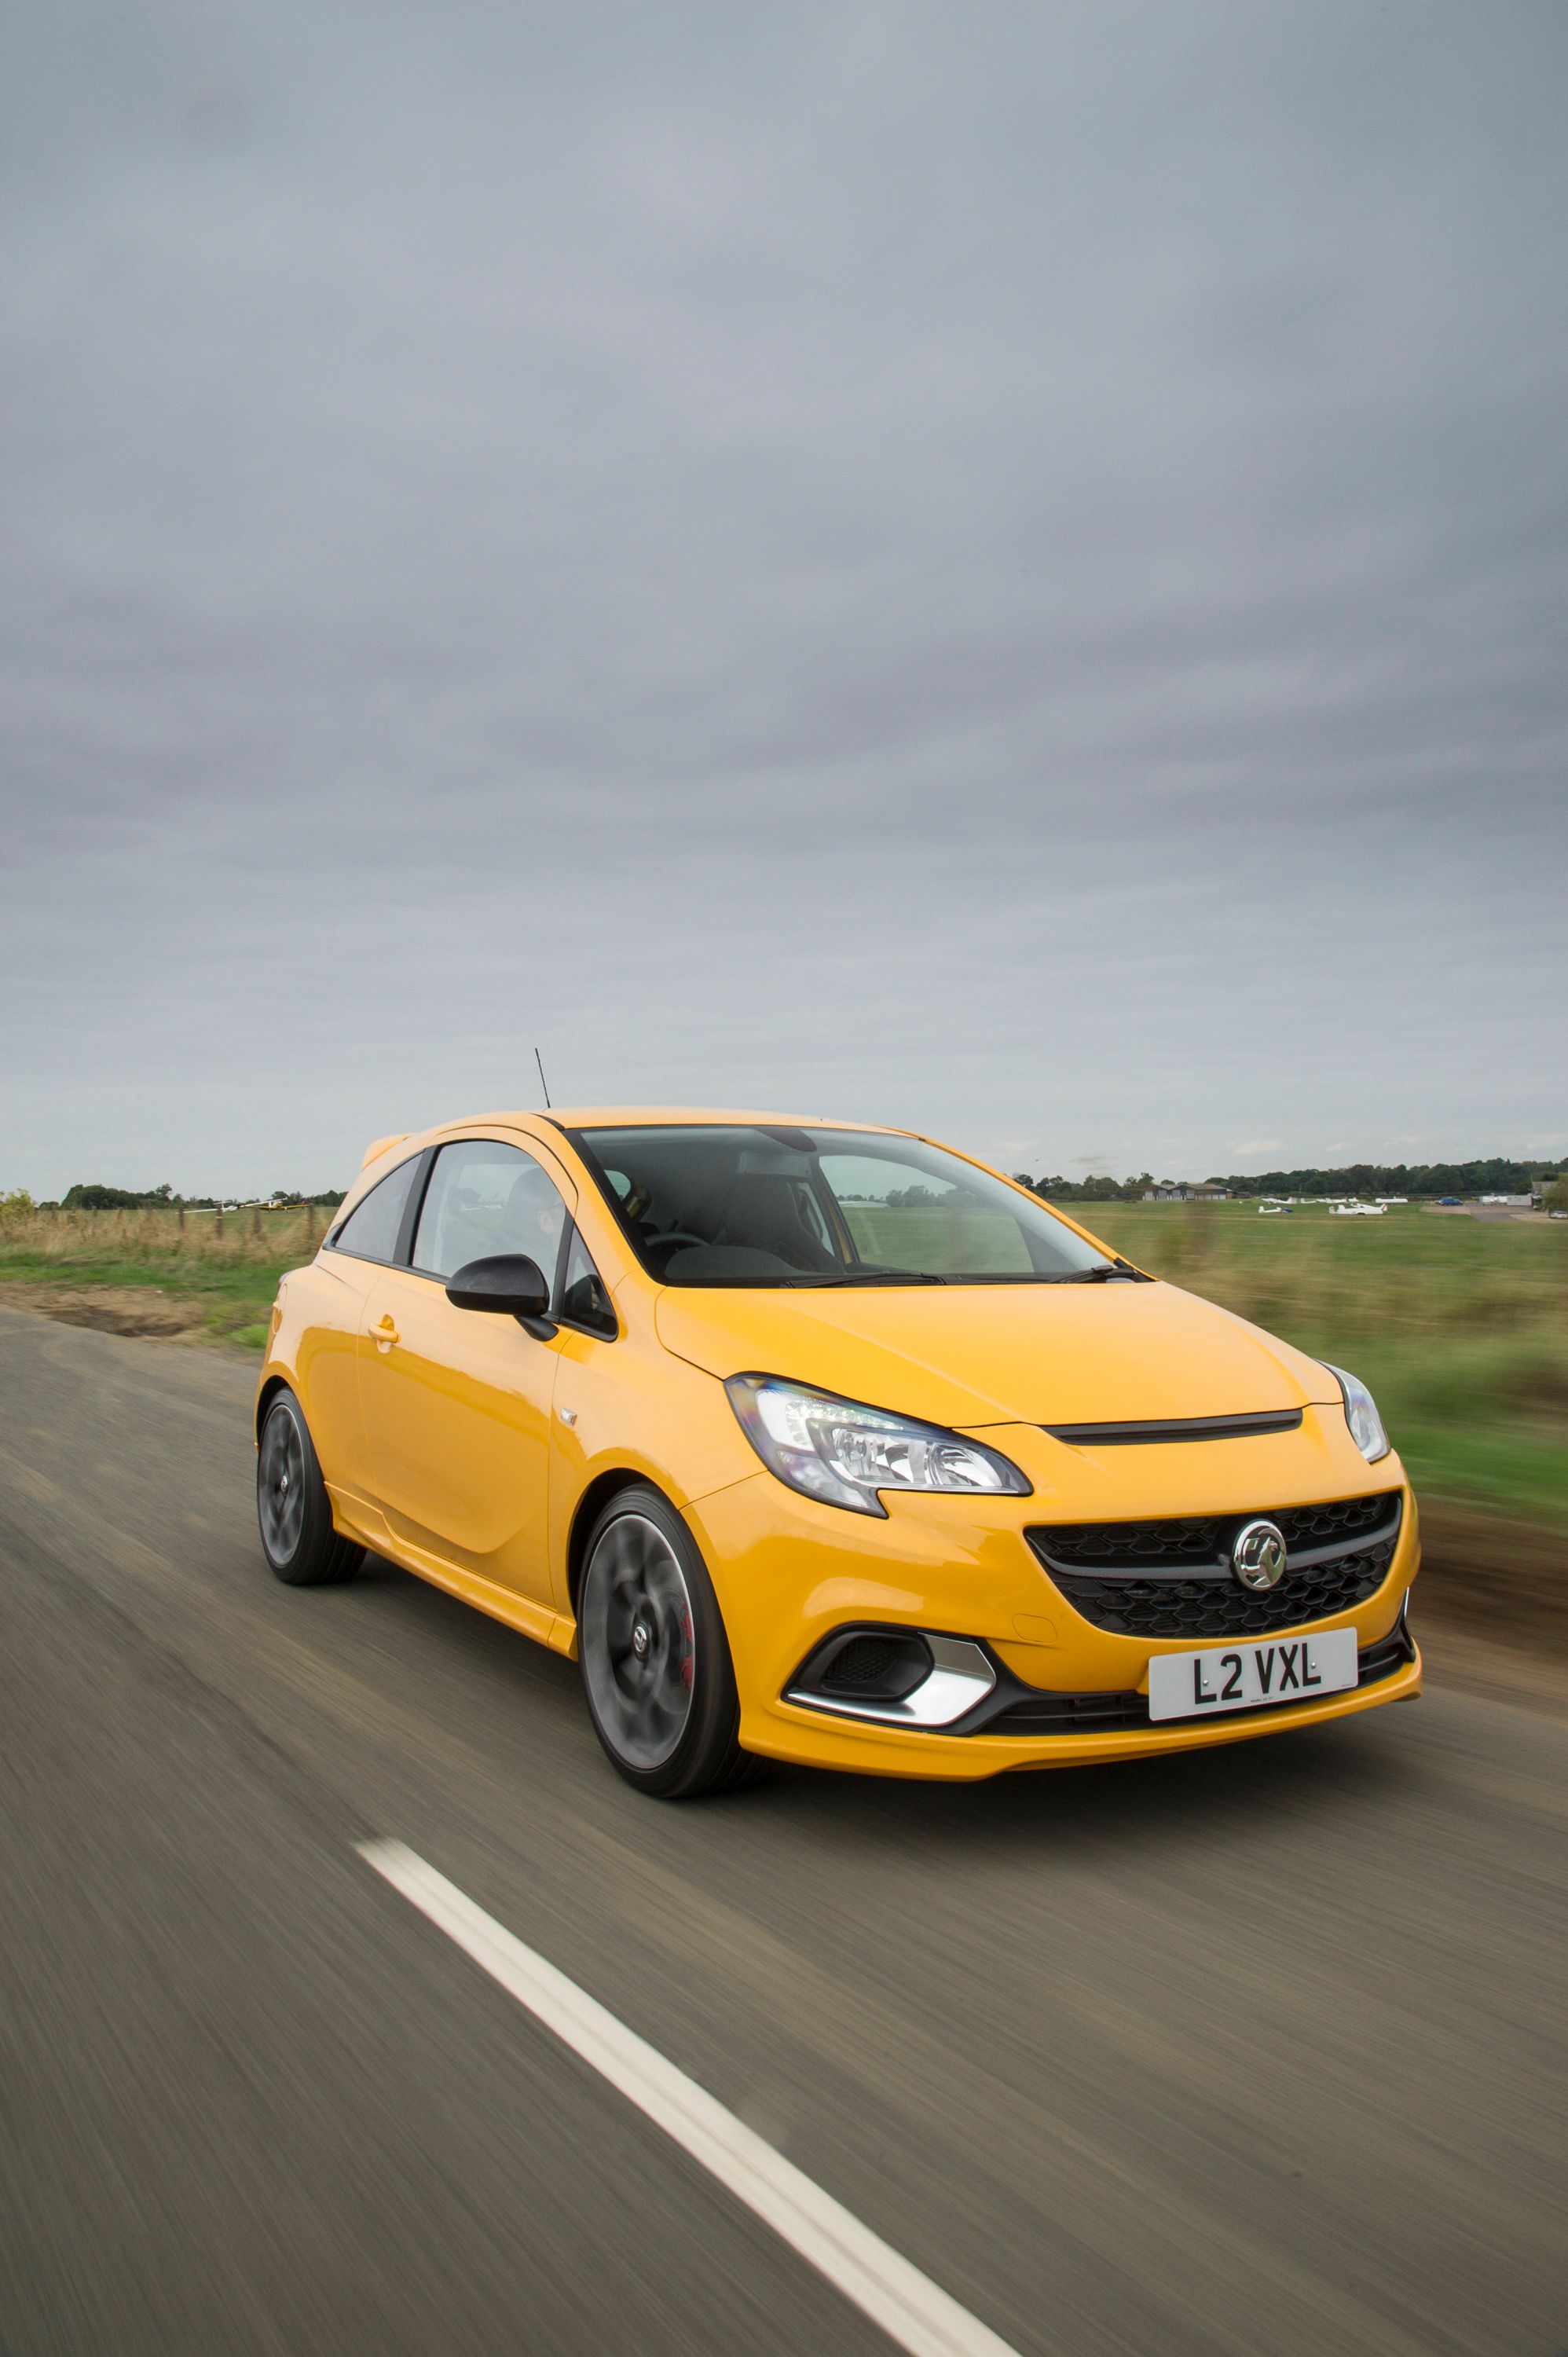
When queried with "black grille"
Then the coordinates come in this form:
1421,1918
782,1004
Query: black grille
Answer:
1120,1714
860,1663
1340,1521
872,1664
1069,1713
1091,1546
1172,1579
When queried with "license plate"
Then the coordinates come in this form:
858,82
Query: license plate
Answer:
1252,1677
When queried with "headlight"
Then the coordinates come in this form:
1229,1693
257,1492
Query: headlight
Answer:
844,1454
1361,1415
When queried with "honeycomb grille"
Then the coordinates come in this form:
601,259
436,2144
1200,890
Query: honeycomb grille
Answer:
862,1661
1204,1540
1342,1520
1172,1579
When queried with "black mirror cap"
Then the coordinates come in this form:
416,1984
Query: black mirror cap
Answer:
509,1284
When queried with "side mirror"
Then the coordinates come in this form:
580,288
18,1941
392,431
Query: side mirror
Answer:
508,1284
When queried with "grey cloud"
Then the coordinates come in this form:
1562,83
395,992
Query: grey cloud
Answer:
999,569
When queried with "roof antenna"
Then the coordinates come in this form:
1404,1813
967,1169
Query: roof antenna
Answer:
543,1082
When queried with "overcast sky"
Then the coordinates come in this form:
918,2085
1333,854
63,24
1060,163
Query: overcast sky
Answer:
997,569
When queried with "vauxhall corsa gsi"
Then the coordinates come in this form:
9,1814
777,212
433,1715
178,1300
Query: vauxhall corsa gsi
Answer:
827,1444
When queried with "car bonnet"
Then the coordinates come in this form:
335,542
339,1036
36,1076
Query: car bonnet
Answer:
965,1355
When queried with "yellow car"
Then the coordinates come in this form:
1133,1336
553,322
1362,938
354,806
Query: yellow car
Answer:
826,1444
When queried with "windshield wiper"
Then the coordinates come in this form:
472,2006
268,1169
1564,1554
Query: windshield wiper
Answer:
1118,1269
1103,1273
868,1276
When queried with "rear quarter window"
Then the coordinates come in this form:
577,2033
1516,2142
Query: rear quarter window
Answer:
371,1229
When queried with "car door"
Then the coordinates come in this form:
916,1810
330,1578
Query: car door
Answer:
352,1260
457,1403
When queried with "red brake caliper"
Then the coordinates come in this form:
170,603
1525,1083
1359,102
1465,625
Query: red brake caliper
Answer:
686,1657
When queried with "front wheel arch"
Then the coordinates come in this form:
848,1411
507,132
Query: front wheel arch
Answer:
265,1396
589,1507
626,1683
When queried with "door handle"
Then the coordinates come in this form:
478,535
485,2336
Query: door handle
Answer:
384,1332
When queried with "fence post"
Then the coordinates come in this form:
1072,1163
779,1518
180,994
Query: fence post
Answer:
310,1224
256,1221
217,1220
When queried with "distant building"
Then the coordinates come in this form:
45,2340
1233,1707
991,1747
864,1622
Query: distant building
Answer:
1187,1193
1513,1202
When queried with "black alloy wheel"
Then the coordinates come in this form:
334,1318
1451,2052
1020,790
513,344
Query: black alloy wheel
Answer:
655,1659
292,1505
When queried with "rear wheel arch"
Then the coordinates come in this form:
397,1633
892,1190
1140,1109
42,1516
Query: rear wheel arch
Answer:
299,1536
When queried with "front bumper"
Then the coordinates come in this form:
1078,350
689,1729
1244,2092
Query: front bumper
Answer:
791,1572
970,1759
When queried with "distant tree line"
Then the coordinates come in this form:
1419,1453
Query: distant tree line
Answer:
1057,1189
1499,1176
159,1198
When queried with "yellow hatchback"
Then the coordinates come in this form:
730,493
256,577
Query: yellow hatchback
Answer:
826,1444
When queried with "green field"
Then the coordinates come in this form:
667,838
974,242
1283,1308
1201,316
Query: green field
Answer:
209,1276
1459,1325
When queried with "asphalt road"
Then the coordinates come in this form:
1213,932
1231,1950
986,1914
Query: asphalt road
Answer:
1256,2052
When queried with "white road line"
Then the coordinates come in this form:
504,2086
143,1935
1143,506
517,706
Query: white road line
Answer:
909,2308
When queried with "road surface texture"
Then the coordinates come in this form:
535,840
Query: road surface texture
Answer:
1259,2050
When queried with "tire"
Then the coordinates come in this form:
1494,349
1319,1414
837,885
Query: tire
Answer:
656,1663
292,1506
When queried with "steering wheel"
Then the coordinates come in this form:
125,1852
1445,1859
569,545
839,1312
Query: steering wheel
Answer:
677,1236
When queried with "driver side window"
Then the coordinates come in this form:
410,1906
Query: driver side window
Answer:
485,1198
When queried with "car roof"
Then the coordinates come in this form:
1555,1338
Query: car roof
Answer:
670,1116
574,1118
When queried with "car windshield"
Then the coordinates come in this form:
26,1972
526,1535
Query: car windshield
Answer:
724,1204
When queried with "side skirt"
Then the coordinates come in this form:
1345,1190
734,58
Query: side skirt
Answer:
356,1520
